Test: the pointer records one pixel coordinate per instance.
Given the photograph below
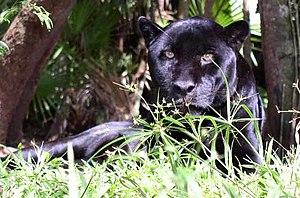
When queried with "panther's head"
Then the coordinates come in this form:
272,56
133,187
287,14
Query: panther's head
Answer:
190,58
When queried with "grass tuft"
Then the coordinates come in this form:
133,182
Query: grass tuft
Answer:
156,174
168,168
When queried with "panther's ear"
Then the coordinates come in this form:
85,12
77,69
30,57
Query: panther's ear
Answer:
237,33
148,29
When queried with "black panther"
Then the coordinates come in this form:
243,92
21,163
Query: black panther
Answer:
189,61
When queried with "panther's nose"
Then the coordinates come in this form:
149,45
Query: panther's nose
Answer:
184,87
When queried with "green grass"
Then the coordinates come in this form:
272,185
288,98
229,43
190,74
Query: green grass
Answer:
169,168
139,175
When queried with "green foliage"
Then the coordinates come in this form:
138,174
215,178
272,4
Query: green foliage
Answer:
60,75
91,24
7,13
42,14
3,48
223,12
226,12
89,43
170,168
139,175
196,8
9,10
85,46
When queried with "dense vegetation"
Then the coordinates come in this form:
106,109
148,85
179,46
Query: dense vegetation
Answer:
99,45
169,169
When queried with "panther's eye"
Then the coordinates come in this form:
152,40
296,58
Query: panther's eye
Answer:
169,54
207,57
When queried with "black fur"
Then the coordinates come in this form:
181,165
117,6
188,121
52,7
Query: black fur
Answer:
182,61
186,60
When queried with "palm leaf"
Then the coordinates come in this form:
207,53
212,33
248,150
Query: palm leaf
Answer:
225,12
79,19
196,8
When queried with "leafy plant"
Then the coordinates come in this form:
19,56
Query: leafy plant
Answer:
170,169
42,14
9,10
223,12
6,15
3,48
83,49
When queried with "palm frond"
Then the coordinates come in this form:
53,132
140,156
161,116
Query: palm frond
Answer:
225,12
196,8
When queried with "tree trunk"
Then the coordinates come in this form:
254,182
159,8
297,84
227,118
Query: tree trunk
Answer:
208,8
30,48
183,9
247,43
280,53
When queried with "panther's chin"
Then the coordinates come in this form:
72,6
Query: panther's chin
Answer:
195,110
191,109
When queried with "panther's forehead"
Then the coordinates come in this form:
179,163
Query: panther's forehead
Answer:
194,25
196,22
199,33
196,39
